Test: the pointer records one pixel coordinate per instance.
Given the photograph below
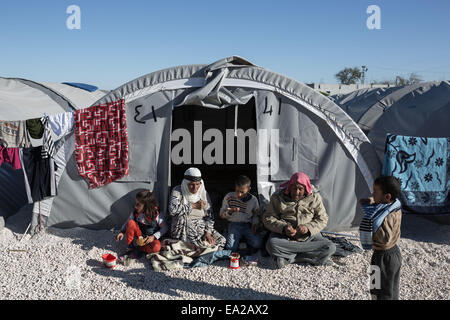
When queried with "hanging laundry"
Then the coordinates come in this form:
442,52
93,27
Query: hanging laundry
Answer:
61,124
48,145
422,166
35,128
11,156
14,134
41,209
101,143
39,174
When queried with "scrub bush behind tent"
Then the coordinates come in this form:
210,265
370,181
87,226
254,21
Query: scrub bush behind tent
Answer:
188,113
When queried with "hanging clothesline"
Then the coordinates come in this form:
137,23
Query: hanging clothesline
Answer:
97,136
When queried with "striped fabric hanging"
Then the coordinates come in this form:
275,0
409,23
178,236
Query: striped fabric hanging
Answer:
48,145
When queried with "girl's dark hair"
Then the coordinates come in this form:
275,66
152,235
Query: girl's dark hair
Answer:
148,199
389,184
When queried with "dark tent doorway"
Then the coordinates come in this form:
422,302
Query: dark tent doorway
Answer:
218,177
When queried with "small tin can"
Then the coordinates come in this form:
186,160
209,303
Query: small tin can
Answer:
234,260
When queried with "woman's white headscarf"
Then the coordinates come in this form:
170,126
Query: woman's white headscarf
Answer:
193,175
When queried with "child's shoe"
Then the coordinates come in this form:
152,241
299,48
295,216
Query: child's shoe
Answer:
125,257
126,260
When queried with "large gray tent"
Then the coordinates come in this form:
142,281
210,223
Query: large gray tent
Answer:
22,99
357,104
210,104
421,109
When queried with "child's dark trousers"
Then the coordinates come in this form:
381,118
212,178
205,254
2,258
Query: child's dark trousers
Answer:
389,262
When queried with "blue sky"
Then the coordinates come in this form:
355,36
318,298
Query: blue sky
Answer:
309,41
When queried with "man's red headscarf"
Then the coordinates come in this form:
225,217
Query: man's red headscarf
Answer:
299,177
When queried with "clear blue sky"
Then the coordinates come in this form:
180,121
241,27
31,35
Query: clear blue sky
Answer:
309,41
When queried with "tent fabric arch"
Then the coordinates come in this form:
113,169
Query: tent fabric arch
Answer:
190,76
358,102
343,154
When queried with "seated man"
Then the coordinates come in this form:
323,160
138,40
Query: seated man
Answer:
296,215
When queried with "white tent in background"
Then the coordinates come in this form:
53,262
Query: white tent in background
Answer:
22,99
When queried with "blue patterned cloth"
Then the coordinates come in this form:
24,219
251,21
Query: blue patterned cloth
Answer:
422,167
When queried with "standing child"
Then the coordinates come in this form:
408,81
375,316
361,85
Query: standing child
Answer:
241,209
380,231
146,225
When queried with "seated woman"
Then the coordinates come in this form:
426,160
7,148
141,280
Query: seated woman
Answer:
296,215
191,212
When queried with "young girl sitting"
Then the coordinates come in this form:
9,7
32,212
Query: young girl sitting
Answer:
146,225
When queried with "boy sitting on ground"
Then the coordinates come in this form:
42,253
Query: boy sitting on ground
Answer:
380,231
241,209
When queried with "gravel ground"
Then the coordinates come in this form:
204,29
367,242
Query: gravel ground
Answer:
66,264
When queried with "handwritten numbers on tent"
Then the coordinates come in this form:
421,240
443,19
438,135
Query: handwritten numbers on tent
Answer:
271,108
138,113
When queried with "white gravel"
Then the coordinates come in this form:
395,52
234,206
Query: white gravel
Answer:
66,264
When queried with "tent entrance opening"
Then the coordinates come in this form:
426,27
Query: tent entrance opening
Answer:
212,140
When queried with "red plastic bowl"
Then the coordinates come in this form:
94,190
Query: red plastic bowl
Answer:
109,260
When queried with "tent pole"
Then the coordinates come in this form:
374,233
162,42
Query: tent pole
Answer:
29,225
235,120
340,234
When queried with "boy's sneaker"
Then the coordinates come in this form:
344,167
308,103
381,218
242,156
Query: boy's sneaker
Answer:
250,260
